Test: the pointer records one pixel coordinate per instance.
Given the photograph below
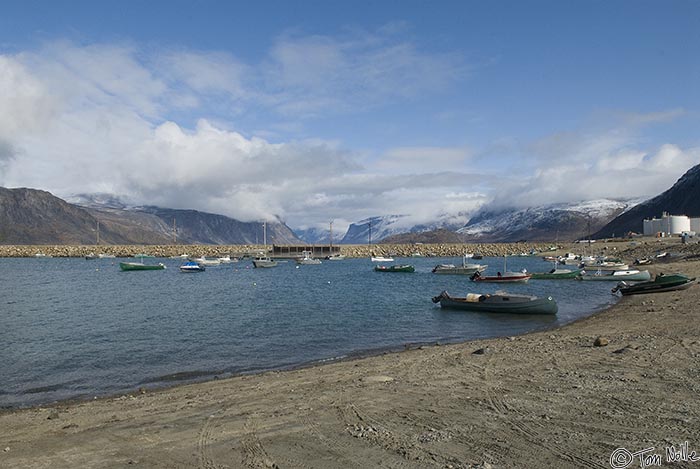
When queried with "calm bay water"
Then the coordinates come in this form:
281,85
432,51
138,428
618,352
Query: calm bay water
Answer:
72,328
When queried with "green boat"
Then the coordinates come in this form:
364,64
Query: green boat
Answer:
395,268
556,274
498,303
128,266
661,283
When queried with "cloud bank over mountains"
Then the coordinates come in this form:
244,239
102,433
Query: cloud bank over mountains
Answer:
207,130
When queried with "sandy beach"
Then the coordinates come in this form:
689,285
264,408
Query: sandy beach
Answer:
546,399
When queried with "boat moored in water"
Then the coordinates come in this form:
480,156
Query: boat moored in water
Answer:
498,303
192,266
395,268
129,266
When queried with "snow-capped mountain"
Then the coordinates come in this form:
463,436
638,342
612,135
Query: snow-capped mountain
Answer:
564,221
390,225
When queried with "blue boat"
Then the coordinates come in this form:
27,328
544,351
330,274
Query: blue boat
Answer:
191,267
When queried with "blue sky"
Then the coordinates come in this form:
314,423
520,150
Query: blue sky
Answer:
313,110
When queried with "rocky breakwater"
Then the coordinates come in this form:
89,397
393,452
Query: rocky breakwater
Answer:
445,250
395,250
126,250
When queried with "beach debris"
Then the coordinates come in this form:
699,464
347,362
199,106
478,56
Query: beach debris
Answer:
434,435
482,351
7,449
52,415
601,341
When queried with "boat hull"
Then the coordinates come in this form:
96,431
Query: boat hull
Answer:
639,276
511,304
570,274
448,269
395,268
264,263
508,277
129,266
660,284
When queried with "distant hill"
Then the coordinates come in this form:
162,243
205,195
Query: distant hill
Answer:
565,221
30,216
683,198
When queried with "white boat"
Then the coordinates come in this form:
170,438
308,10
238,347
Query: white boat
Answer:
227,260
307,259
382,259
206,262
617,275
262,260
181,256
335,257
106,256
465,269
192,266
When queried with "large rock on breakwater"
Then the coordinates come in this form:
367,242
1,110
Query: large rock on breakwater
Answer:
395,250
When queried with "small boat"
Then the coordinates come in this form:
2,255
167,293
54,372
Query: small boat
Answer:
336,257
91,256
465,269
206,262
192,266
506,277
41,255
556,274
128,266
181,256
227,259
382,259
307,259
477,256
394,268
498,303
106,256
616,275
263,261
661,283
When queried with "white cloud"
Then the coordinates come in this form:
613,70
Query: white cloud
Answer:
109,118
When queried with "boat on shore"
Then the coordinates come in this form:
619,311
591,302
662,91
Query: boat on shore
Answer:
395,268
498,303
616,275
465,269
192,266
129,266
661,283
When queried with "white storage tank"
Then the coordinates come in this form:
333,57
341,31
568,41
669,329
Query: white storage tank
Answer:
656,226
695,225
678,224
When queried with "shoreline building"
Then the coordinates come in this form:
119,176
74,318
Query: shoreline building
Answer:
671,225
